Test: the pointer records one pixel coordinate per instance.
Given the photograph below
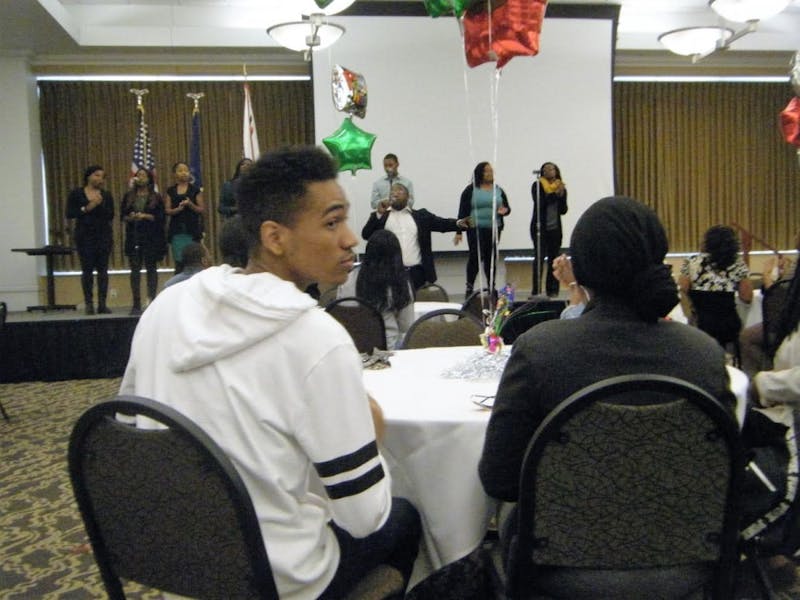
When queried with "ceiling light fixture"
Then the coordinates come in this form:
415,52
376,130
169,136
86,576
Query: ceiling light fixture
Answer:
745,11
303,36
699,42
314,31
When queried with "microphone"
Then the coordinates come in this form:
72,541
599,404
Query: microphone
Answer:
537,171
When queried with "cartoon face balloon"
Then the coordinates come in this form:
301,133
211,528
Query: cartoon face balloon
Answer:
351,146
511,29
349,91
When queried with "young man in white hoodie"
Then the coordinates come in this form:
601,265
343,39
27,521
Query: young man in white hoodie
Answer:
277,382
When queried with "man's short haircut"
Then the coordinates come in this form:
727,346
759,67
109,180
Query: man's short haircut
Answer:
193,254
274,188
391,156
400,185
233,242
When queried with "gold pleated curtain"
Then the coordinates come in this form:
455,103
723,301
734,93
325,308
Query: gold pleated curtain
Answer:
702,154
85,123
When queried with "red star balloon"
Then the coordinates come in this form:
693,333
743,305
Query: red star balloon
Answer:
351,146
790,122
512,29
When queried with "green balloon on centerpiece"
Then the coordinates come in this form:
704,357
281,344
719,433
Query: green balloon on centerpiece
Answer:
437,8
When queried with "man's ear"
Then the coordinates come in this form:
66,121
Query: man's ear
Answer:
273,236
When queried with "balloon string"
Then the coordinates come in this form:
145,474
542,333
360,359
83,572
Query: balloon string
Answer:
494,94
464,71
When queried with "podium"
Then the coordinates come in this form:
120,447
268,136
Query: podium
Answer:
49,252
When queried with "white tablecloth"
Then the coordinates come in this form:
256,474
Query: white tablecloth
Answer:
423,308
433,442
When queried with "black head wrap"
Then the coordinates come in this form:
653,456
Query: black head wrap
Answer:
618,248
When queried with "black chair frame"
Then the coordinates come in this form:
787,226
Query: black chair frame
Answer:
550,430
435,314
215,463
363,338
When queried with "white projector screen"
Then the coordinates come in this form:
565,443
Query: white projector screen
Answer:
436,114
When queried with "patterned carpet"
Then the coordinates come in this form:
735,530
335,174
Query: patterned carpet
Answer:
42,534
40,524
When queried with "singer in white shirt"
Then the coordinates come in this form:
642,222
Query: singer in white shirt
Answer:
413,229
382,187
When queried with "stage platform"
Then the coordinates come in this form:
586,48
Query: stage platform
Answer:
66,344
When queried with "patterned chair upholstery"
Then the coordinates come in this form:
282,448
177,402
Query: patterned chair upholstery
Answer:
772,302
165,507
362,320
628,491
434,330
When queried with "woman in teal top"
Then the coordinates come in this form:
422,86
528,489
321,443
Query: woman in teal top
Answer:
477,202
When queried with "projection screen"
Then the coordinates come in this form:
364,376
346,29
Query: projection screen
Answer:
441,117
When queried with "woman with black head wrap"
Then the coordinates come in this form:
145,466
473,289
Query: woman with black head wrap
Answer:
618,248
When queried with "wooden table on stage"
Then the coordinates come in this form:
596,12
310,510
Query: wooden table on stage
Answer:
49,252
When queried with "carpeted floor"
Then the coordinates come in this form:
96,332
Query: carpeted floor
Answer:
42,534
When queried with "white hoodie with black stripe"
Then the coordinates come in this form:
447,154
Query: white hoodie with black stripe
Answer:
277,383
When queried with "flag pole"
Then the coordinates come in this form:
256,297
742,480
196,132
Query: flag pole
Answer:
194,148
140,93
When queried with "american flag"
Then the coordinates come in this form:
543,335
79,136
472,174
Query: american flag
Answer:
194,150
142,151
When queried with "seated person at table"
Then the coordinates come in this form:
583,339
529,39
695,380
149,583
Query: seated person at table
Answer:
382,281
751,339
277,383
718,268
618,248
195,259
413,229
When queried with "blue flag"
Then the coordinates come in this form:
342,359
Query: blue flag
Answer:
194,150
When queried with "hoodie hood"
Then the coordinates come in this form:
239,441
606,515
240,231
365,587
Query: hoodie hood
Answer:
222,311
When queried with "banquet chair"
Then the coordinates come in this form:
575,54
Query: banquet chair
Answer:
432,292
361,320
166,508
530,314
434,330
477,301
717,316
3,316
628,489
772,301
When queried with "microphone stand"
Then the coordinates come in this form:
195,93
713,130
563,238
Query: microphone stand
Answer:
538,263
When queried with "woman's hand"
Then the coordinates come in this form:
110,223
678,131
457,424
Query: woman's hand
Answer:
502,210
457,239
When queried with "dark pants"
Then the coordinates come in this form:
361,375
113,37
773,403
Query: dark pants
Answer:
480,237
94,258
551,242
395,544
417,276
151,269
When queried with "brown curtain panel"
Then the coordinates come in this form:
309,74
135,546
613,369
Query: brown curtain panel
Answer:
85,123
702,154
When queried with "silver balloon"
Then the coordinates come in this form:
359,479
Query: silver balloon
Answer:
349,91
795,73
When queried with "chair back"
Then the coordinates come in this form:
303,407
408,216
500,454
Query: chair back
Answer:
633,472
165,507
773,300
528,315
435,330
361,320
3,314
432,292
479,300
717,315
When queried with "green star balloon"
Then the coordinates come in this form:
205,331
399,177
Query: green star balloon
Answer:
351,146
437,8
